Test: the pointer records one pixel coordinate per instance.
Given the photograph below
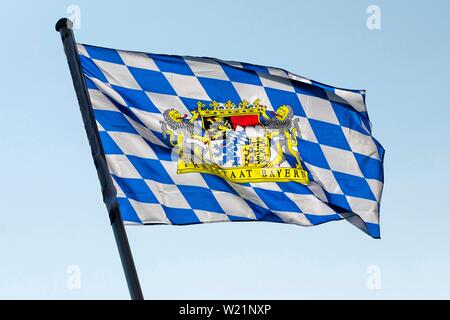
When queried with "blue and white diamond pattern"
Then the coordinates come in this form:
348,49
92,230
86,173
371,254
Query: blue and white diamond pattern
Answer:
129,91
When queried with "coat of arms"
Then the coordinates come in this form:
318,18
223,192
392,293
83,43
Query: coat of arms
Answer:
240,143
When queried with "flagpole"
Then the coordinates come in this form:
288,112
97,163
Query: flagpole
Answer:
64,27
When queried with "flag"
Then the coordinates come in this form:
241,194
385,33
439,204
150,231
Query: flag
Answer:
192,140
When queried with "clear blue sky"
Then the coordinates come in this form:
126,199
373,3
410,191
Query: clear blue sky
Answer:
52,212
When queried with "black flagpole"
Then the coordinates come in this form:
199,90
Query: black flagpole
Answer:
64,27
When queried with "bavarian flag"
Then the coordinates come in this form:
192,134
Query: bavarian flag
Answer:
193,140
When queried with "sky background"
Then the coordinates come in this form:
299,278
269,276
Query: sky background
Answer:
53,218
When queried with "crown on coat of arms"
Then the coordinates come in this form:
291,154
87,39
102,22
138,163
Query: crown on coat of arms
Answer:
229,108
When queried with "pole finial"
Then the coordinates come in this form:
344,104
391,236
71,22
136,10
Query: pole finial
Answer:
63,23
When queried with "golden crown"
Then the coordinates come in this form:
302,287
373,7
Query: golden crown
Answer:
216,109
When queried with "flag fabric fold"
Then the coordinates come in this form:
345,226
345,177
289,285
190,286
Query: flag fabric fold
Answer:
194,140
